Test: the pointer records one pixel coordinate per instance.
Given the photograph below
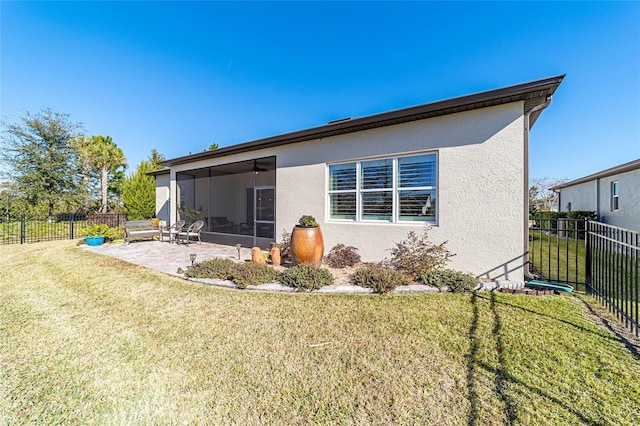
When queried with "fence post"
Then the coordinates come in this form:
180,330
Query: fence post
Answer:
22,229
71,226
587,261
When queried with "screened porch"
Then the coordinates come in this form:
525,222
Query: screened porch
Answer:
236,201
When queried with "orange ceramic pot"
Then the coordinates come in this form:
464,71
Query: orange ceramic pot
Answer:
307,245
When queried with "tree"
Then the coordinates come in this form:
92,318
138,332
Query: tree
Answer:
42,161
541,197
156,158
102,155
139,189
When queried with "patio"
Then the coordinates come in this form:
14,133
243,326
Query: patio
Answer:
166,257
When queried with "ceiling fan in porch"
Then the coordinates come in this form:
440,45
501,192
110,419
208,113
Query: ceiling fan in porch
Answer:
257,169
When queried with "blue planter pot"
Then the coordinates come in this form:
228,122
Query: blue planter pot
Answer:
94,241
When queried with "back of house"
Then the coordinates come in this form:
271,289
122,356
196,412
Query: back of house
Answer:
458,166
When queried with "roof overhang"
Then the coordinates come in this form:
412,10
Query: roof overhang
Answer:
160,172
532,93
622,168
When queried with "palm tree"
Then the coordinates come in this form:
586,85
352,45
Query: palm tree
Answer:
101,154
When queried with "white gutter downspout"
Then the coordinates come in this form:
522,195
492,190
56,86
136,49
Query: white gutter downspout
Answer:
527,116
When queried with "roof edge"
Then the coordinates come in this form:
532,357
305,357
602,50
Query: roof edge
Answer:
622,168
519,92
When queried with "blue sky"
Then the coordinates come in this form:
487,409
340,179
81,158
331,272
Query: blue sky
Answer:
177,76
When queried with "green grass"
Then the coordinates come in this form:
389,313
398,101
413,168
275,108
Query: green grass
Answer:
86,339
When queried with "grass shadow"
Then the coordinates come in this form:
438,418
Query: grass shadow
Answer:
551,317
501,373
554,399
472,361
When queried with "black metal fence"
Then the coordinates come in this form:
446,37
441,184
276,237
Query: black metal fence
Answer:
557,250
612,267
61,227
594,257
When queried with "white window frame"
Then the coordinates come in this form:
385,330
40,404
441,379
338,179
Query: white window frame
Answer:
395,190
615,196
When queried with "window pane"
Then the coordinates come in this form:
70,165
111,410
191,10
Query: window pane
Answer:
342,176
417,171
417,205
377,205
377,174
343,205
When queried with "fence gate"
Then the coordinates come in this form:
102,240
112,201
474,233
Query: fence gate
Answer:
594,257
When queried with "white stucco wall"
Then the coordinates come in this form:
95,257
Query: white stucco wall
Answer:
628,214
582,197
596,195
480,186
162,197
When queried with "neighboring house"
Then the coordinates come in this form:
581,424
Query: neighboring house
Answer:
459,165
614,194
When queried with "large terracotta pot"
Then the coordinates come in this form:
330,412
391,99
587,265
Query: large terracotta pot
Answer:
307,245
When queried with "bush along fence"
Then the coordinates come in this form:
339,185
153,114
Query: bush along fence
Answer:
596,258
61,227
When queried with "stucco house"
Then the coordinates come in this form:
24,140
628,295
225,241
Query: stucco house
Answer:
614,194
458,165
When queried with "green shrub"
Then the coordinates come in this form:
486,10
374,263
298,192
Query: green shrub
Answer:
456,281
308,221
342,256
548,220
116,233
98,230
306,277
381,278
242,274
417,255
577,228
248,273
217,268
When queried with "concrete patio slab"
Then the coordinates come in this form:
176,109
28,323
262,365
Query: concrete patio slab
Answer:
166,257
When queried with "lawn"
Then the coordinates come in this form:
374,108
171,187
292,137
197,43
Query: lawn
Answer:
86,339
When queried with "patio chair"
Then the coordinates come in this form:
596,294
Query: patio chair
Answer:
193,231
172,231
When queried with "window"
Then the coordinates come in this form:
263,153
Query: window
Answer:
401,189
614,196
342,191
